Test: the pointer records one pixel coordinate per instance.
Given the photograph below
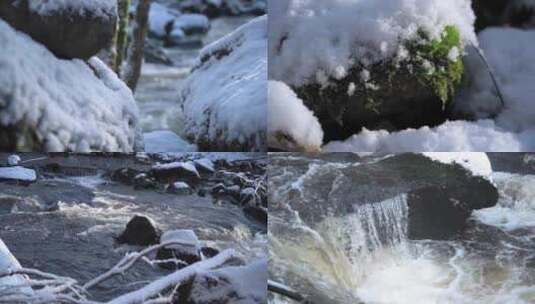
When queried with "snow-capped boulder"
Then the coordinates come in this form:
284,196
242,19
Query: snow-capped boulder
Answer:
187,252
224,99
216,8
236,285
478,163
70,29
48,104
398,68
179,188
17,173
141,231
176,171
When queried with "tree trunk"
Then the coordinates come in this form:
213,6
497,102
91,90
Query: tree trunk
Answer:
122,33
135,51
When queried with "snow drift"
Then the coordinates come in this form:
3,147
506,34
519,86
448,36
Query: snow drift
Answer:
224,99
48,104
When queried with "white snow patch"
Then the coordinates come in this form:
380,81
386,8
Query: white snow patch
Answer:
476,162
69,104
13,160
166,141
330,35
289,116
224,99
511,55
451,136
188,166
205,163
18,173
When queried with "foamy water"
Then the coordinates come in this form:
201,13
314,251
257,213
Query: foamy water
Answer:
365,256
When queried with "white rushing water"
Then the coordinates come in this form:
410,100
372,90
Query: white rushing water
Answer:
366,257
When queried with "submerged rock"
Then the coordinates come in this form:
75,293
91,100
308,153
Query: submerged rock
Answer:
70,29
140,231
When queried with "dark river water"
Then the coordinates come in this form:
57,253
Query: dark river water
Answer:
77,240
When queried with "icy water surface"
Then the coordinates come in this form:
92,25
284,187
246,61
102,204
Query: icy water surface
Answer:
366,257
76,238
160,85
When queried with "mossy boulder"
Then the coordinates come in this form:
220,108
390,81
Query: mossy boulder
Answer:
396,93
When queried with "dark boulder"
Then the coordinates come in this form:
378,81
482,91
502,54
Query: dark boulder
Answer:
441,212
140,231
124,175
179,188
67,33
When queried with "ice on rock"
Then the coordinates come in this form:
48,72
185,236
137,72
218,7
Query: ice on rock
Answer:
291,125
224,99
69,105
205,164
17,173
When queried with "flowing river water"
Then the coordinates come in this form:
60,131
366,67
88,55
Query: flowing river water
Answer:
365,256
75,238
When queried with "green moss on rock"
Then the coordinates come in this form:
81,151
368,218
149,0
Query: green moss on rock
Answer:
399,94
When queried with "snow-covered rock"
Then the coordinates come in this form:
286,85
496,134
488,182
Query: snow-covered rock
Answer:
291,125
69,28
387,64
8,263
515,77
224,99
215,8
13,160
48,104
188,239
204,164
18,173
176,171
166,141
478,163
179,188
